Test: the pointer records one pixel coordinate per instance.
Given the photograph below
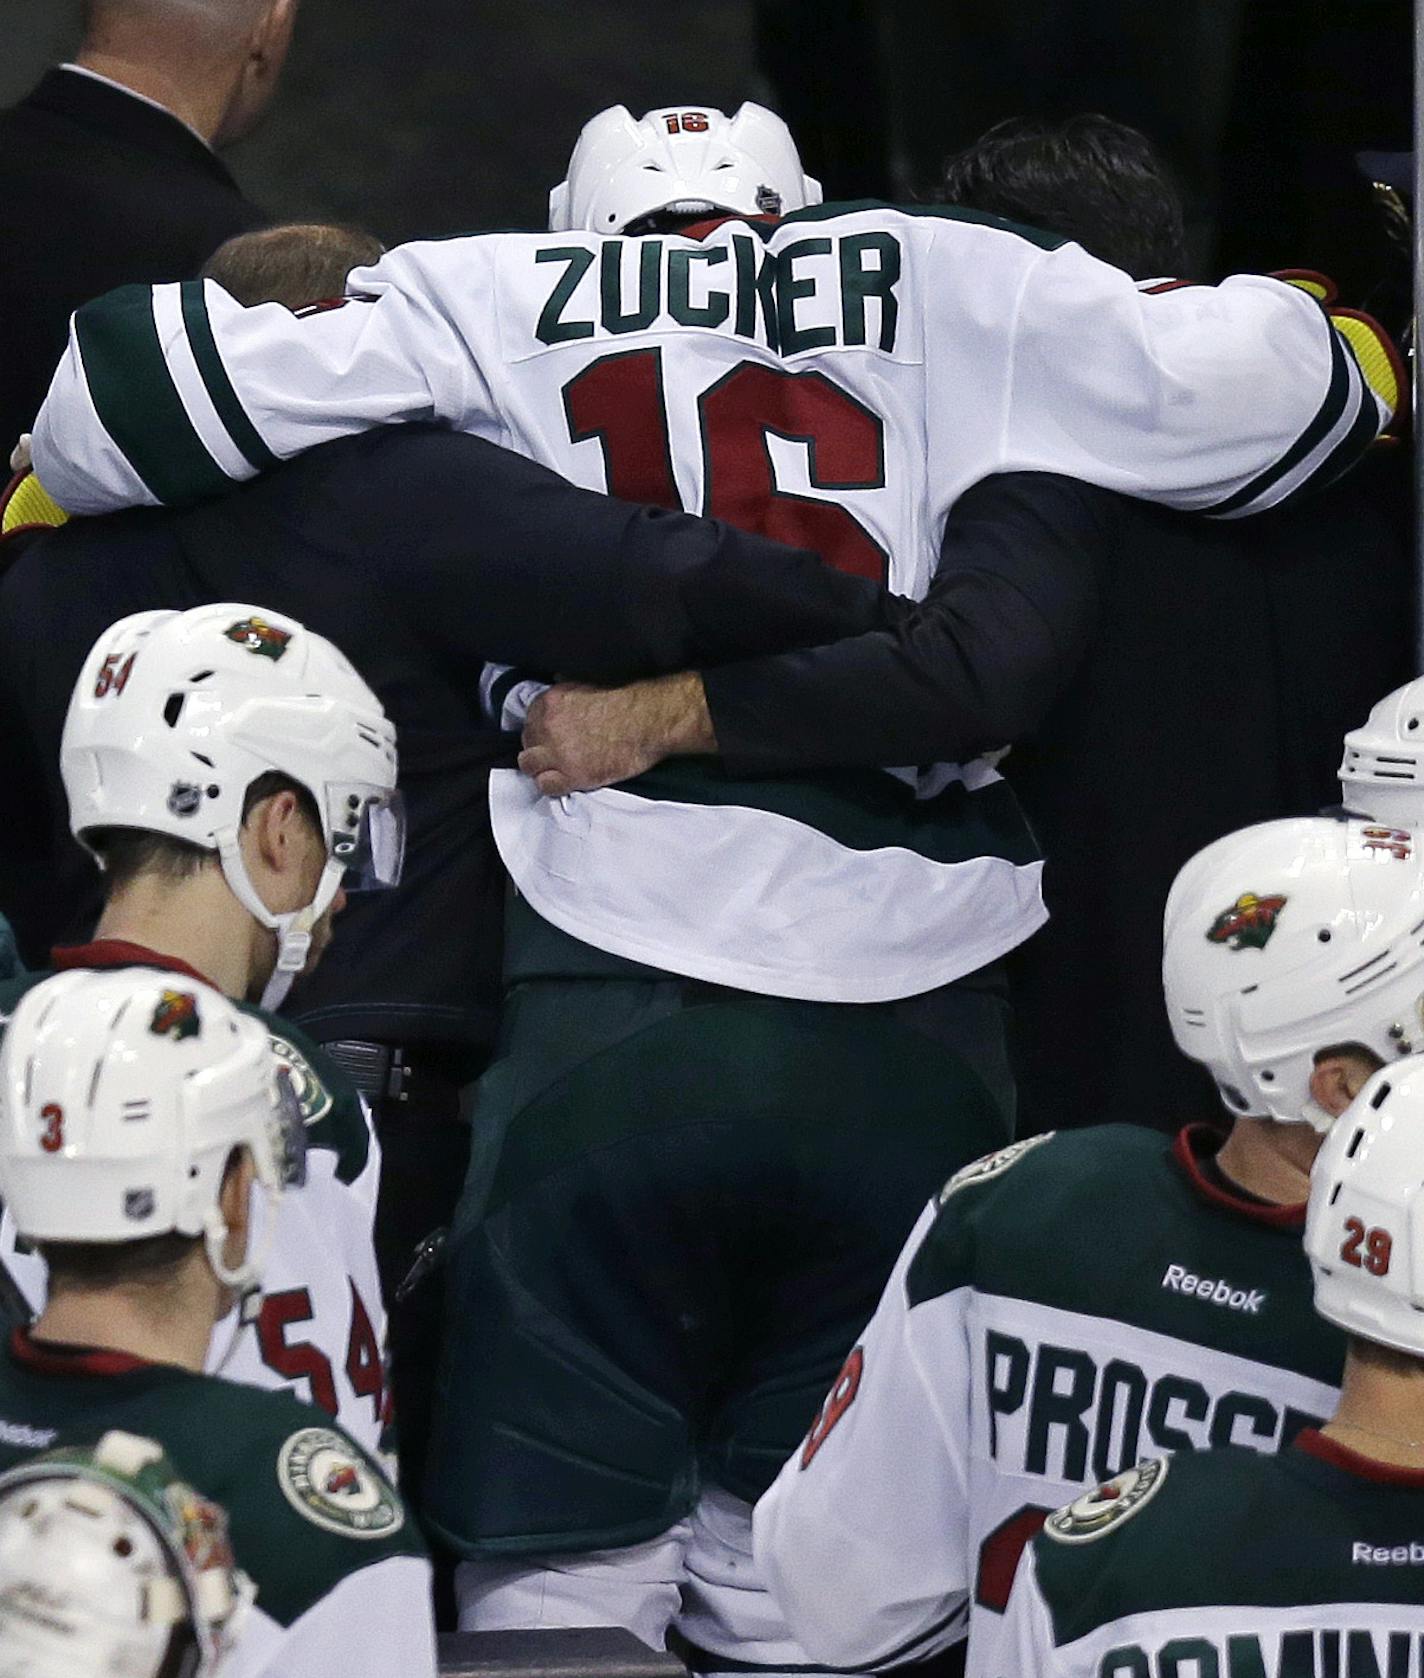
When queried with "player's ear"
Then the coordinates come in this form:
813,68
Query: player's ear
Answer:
277,827
1337,1079
235,1204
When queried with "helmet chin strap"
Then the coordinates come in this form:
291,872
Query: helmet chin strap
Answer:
293,928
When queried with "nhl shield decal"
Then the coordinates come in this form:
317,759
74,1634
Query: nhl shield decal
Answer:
1248,923
1108,1505
176,1016
259,637
326,1479
992,1165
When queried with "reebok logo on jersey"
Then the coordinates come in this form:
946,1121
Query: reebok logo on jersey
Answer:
1179,1279
1391,1555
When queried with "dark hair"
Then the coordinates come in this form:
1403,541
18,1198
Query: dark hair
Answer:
128,852
298,264
1089,178
152,1261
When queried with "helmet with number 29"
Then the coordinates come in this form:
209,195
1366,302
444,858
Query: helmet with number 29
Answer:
1364,1231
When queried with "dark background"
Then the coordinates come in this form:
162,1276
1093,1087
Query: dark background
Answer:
430,117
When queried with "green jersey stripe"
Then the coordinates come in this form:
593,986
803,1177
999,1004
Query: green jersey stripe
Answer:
1342,367
137,401
214,375
862,809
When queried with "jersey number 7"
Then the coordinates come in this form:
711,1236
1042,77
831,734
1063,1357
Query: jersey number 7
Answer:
619,400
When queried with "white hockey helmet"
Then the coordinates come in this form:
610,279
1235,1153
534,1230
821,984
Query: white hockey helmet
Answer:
113,1567
1289,938
1364,1230
686,160
176,714
122,1094
1382,773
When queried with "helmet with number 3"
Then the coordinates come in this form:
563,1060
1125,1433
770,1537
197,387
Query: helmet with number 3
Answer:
681,161
122,1095
1364,1231
1289,938
113,1567
176,714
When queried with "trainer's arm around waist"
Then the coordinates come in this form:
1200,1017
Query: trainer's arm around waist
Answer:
376,1623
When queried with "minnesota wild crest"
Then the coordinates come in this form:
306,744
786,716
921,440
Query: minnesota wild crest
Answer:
259,637
1248,923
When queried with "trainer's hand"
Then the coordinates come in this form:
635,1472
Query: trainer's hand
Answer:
578,737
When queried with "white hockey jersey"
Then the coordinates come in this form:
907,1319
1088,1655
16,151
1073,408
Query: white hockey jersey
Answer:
1067,1306
835,380
321,1331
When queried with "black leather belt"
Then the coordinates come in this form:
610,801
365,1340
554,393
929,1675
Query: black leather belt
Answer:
387,1072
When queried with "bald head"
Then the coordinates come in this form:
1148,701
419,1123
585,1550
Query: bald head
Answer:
217,23
213,63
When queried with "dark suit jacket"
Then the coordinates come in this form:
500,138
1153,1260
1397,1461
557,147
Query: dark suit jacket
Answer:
97,189
420,553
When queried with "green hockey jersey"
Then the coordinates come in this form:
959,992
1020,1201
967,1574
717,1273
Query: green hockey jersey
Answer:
343,1585
1228,1565
1069,1305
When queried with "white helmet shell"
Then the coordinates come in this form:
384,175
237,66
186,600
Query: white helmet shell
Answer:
176,714
1364,1230
1382,773
1289,938
105,1555
122,1095
684,159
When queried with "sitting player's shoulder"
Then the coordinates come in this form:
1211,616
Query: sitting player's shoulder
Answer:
1029,1203
308,1506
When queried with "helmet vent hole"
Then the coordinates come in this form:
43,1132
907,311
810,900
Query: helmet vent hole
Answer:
1324,935
1412,724
1378,1099
207,762
173,708
200,675
1354,1147
123,1546
1335,1193
1268,1077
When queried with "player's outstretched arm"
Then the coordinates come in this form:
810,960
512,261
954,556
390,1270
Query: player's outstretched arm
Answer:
861,1538
172,393
1224,399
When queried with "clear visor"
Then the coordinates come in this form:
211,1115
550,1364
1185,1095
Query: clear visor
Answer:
289,1132
369,839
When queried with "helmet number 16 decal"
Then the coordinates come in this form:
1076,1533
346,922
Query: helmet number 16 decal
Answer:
690,122
114,674
1378,1245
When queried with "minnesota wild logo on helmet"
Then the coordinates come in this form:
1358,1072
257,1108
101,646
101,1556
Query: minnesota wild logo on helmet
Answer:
1248,923
259,637
176,1016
